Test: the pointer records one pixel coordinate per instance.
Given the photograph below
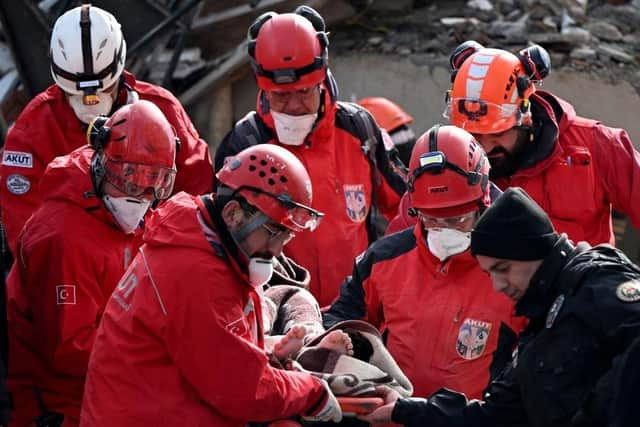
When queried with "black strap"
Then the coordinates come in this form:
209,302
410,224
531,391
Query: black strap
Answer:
85,26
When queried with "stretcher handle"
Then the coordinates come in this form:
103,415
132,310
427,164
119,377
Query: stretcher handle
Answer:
352,406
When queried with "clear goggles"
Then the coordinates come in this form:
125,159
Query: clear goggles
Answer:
298,217
478,116
137,179
460,222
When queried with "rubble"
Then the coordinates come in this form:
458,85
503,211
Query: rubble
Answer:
599,37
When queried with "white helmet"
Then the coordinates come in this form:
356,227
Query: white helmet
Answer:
87,50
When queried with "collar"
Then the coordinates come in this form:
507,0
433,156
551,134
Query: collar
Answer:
544,286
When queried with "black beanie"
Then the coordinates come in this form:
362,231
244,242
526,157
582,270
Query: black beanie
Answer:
514,227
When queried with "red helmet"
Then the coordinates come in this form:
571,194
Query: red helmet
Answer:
387,113
273,180
135,150
490,93
288,51
449,173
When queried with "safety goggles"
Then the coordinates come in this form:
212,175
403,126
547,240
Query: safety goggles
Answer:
277,232
478,116
298,217
460,222
136,179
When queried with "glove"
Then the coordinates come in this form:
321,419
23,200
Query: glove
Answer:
328,409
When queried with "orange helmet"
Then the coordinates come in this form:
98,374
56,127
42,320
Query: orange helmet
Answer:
135,150
490,93
448,173
273,180
288,51
387,113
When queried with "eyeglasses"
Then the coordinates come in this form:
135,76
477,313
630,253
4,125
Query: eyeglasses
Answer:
276,232
135,179
298,217
461,222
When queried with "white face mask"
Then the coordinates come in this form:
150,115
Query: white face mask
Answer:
86,113
260,271
445,242
292,130
127,211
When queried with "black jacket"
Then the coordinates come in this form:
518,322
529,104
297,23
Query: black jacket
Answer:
561,375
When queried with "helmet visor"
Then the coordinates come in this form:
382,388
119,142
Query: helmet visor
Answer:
136,179
480,117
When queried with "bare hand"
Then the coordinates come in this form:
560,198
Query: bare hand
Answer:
382,415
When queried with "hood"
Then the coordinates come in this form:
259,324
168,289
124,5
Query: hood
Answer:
540,154
324,126
67,180
184,221
177,222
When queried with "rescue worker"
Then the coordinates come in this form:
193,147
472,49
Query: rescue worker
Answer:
395,121
583,305
88,55
72,252
443,323
339,143
181,341
575,168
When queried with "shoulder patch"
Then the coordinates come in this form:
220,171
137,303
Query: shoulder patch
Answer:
629,291
17,159
18,184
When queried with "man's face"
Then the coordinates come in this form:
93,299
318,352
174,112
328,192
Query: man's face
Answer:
512,278
504,150
266,241
295,102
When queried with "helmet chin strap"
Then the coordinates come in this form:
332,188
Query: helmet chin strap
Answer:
244,231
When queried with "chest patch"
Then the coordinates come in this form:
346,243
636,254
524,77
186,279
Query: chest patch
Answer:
629,291
472,338
355,201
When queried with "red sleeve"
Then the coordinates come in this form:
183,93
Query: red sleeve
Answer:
229,372
20,173
61,293
618,169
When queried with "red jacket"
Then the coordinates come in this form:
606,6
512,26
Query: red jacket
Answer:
70,256
181,343
342,182
443,323
590,169
48,128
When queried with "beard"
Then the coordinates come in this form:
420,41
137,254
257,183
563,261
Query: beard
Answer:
508,162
